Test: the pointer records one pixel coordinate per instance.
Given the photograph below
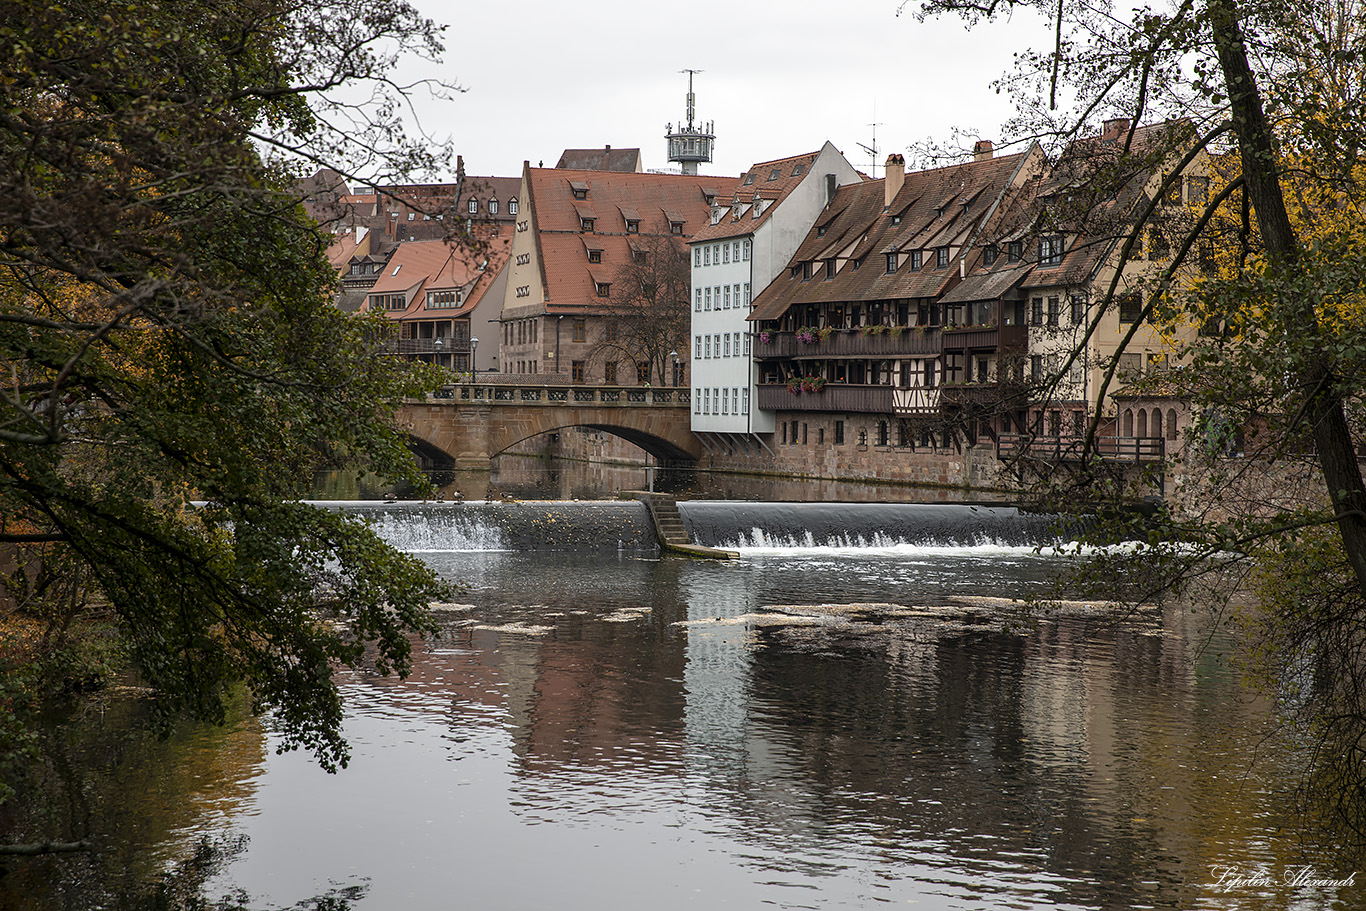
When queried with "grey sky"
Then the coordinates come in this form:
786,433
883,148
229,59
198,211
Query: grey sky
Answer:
777,79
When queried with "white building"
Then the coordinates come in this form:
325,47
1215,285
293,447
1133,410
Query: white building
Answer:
751,238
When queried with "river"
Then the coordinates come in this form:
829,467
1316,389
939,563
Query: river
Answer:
598,727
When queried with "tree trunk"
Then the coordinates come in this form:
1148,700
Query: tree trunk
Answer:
1324,409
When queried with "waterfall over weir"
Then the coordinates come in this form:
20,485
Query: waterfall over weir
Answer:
624,525
764,526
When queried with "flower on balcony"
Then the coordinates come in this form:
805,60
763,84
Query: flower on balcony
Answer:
794,386
813,383
896,331
826,333
765,337
808,335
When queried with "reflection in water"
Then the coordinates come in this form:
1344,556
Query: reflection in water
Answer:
613,730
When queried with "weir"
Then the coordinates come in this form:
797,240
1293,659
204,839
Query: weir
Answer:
625,525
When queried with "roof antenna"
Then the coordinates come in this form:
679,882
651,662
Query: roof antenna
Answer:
872,149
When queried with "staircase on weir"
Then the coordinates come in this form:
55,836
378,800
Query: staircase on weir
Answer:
669,527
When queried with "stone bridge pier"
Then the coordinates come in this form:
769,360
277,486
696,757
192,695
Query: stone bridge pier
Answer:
471,423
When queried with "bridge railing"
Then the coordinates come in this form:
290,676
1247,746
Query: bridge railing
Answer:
495,393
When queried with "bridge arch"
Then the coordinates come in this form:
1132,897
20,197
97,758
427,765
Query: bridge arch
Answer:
471,424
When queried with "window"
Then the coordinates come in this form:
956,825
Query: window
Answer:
675,227
1053,309
1197,190
696,401
493,207
473,206
891,263
708,345
1130,306
580,331
830,265
917,260
725,400
727,344
727,287
580,190
989,255
698,340
609,373
797,169
725,253
747,337
706,255
746,292
747,244
604,288
643,374
585,224
696,257
1050,250
1036,311
882,433
941,257
749,178
1036,367
512,206
708,307
632,226
576,371
595,256
412,215
1078,310
806,270
1013,251
744,401
775,173
697,304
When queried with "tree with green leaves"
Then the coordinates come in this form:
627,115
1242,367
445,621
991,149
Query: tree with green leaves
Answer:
172,369
1275,93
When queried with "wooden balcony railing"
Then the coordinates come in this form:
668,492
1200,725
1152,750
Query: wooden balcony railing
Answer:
1069,448
834,397
849,343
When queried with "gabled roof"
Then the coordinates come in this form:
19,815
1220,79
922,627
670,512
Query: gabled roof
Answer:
613,198
604,159
942,207
435,265
737,214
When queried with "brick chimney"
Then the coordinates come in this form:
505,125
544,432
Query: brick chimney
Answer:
1113,129
896,176
982,150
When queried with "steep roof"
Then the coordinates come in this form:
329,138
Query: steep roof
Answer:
756,195
612,199
435,265
938,208
604,159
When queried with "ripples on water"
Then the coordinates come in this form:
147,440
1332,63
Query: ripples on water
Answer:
601,731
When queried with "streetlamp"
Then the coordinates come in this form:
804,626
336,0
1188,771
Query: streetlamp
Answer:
436,345
474,364
674,355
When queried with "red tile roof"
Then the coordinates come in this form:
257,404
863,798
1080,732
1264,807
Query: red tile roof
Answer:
434,265
943,207
738,215
655,200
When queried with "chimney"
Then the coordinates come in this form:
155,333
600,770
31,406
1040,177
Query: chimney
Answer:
1116,128
982,150
830,187
896,176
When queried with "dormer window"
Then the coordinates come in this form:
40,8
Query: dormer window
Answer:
941,257
775,173
632,226
595,256
749,178
473,206
579,189
917,260
806,272
585,224
675,227
493,207
830,265
989,255
512,206
820,230
1050,250
891,262
797,169
1013,251
604,289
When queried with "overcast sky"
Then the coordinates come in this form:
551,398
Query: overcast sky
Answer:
777,79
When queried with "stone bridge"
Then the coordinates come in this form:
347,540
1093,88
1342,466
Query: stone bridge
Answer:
470,423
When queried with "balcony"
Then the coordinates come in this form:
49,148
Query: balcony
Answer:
840,397
986,338
413,346
1006,394
849,343
1069,448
